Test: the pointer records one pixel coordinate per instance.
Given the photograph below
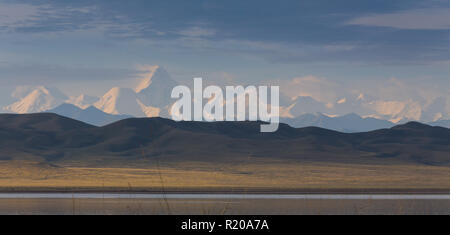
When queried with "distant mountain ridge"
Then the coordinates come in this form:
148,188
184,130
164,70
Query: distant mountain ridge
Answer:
346,123
55,138
350,123
90,115
442,123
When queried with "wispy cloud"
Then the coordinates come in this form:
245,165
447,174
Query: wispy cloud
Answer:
251,37
47,74
197,31
428,19
37,19
17,15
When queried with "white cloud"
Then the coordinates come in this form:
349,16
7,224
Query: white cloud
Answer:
431,19
197,32
17,14
318,88
47,18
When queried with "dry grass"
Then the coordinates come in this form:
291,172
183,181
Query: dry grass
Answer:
267,174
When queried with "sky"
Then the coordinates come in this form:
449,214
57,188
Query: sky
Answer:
88,46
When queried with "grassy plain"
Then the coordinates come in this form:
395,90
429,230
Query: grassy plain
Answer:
247,176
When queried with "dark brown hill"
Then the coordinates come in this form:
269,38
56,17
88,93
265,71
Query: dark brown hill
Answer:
53,138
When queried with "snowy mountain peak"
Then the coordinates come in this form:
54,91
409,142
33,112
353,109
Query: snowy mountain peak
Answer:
120,101
38,99
360,97
341,101
149,99
153,74
155,89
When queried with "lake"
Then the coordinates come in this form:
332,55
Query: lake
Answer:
235,204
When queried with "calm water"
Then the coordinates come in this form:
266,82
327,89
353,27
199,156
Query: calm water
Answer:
111,203
225,196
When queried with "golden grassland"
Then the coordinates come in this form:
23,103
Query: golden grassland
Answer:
248,175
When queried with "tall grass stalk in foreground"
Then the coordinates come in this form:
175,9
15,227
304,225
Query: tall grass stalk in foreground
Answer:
163,187
73,204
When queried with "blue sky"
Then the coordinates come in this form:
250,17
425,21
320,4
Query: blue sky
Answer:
78,43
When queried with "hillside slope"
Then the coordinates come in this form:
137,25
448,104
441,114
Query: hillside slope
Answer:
55,138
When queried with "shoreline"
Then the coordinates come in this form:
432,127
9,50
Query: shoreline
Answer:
243,191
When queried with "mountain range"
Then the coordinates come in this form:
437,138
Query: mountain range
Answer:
350,123
52,138
151,98
35,99
90,115
346,123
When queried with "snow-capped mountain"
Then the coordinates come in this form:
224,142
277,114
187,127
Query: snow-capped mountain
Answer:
395,111
305,104
36,99
121,101
151,98
21,92
350,104
154,91
344,105
436,110
82,101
